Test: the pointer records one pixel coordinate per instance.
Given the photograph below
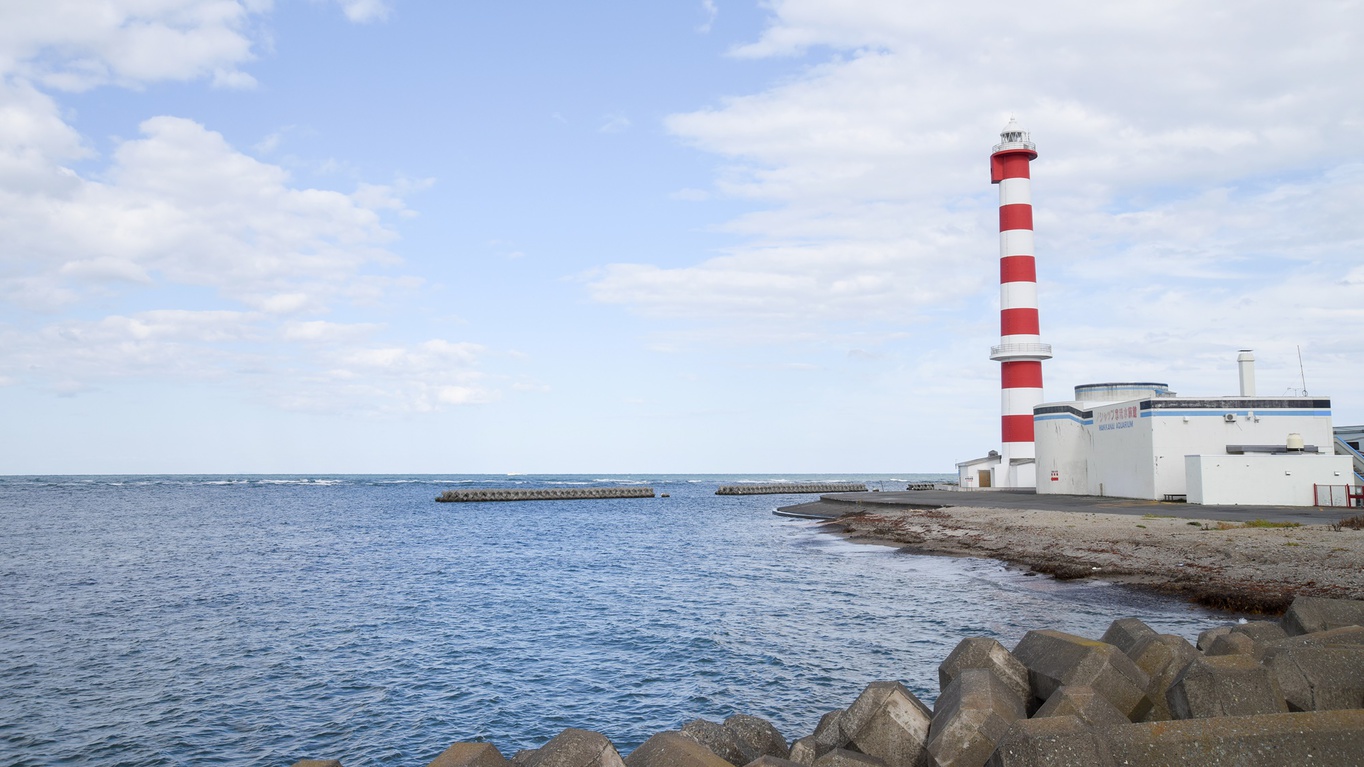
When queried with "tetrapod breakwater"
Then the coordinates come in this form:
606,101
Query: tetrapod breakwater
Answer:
542,494
1257,694
792,487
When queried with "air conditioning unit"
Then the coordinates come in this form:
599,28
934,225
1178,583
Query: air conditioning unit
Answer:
1229,417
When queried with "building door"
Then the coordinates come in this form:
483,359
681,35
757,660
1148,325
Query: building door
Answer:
984,475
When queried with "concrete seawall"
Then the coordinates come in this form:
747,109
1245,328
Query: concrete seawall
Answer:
543,494
793,487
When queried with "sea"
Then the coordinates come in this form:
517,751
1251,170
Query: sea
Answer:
259,620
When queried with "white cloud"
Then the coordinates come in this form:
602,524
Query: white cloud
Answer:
615,122
421,377
181,204
364,11
180,207
708,10
303,365
75,45
179,210
1184,150
321,331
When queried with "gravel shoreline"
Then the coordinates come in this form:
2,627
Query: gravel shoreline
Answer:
1248,570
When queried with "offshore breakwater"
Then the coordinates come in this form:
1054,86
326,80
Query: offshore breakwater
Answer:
254,620
470,495
789,488
1257,694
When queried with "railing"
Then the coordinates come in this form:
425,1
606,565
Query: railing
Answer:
1015,145
1343,448
1337,495
1039,351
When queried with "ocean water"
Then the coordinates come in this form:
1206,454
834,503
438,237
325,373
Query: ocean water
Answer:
260,620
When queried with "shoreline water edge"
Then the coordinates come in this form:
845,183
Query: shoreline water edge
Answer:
1248,567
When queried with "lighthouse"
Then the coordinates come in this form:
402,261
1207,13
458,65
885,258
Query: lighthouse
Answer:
1020,351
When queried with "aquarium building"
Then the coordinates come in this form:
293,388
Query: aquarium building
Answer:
1141,440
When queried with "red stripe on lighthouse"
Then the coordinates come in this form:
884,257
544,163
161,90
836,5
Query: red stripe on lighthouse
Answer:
1016,216
1009,165
1017,428
1017,269
1021,374
1019,322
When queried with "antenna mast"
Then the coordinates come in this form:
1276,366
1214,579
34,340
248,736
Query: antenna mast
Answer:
1301,372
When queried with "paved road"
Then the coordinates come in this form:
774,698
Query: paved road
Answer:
834,504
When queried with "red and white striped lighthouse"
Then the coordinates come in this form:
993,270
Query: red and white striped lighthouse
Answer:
1020,351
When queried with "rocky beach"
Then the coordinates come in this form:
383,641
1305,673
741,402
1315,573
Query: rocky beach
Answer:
1247,566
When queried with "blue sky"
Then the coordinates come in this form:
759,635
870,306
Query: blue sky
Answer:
366,236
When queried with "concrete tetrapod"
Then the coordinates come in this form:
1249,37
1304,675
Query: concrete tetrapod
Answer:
829,732
1231,643
1208,636
469,755
1318,678
970,717
717,738
673,749
576,748
1083,703
771,761
756,737
1055,741
827,736
1346,636
1224,685
1162,657
1308,615
740,740
980,652
1124,633
888,722
1261,632
1264,740
842,757
805,750
1055,658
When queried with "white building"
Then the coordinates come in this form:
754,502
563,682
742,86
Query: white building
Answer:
1141,440
979,473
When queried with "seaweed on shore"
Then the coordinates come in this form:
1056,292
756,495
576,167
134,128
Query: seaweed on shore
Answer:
1062,571
1248,601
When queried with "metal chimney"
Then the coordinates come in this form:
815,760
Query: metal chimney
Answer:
1246,362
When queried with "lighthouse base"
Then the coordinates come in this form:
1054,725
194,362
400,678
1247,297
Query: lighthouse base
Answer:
1021,472
997,472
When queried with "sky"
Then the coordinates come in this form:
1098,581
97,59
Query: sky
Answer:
392,236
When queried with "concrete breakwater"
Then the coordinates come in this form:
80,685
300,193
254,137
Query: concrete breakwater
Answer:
1258,694
792,487
543,494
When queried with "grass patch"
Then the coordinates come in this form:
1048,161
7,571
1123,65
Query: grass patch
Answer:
1195,524
1253,524
1291,543
1142,526
1157,516
1354,523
